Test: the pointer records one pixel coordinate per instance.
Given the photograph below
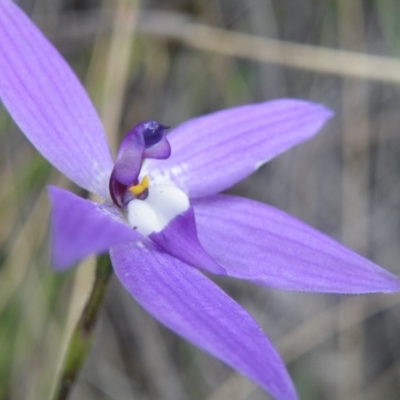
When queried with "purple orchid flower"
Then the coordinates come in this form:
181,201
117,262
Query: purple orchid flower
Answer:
161,216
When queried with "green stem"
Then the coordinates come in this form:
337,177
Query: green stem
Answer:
82,336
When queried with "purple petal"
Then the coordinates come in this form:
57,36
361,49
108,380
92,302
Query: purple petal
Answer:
180,239
190,304
49,104
264,245
213,152
81,228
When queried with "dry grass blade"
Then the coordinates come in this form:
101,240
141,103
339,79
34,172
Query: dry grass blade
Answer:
314,58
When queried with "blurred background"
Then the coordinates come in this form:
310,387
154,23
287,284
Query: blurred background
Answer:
175,59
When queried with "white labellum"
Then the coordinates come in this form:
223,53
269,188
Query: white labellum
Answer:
163,204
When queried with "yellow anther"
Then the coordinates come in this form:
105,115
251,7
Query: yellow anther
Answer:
137,190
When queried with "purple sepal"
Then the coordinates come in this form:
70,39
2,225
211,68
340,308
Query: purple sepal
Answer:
268,247
81,228
215,151
179,239
49,104
191,305
145,140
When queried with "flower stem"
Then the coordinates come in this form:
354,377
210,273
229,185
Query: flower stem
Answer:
81,339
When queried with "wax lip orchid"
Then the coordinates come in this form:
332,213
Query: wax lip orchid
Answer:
163,219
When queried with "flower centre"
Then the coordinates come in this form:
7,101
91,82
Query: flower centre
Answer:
149,209
145,140
141,188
